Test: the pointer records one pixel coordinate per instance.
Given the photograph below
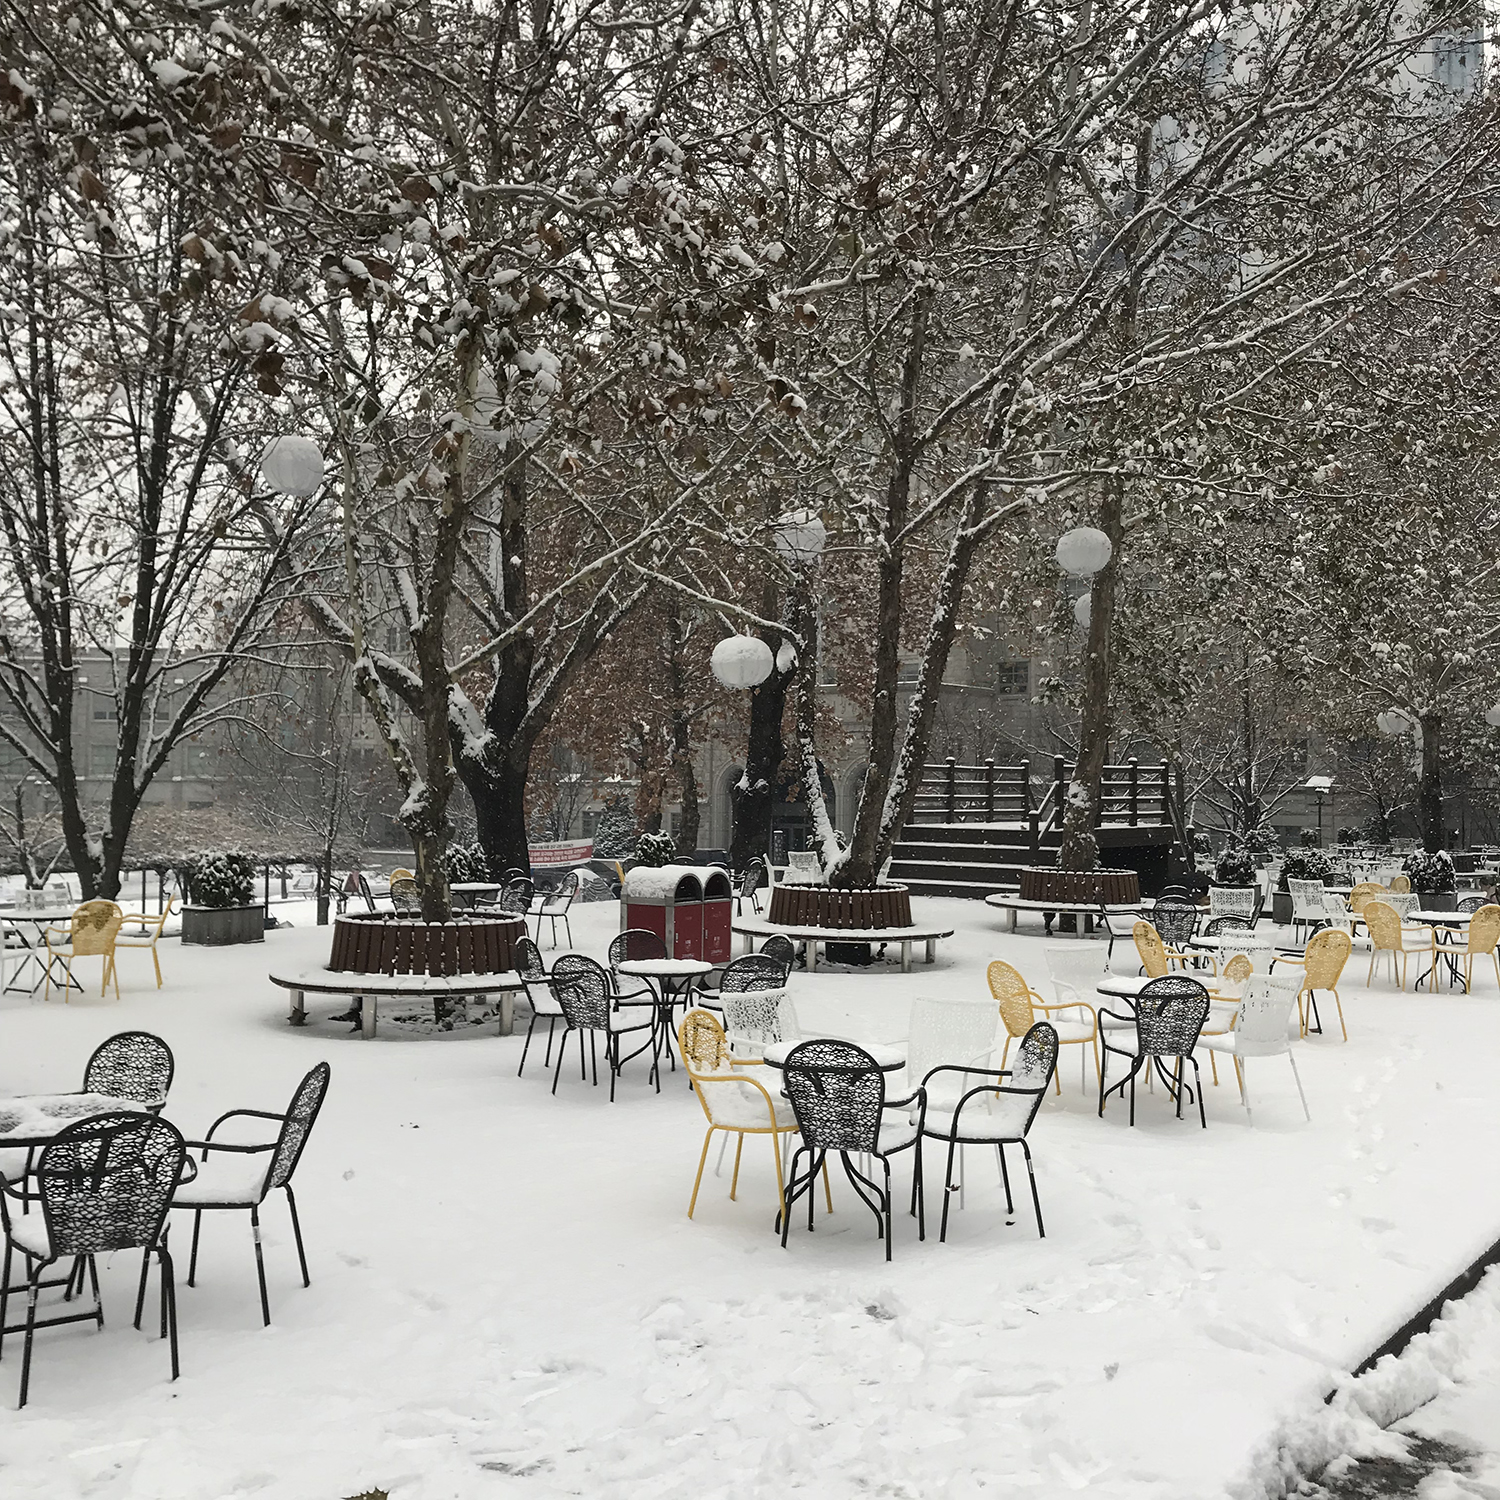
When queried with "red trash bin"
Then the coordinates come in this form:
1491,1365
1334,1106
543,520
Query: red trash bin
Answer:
668,901
718,903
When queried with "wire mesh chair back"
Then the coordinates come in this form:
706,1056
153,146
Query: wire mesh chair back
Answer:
1260,1028
1403,903
1232,901
837,1093
1384,923
133,1065
1307,899
1237,969
1152,950
297,1124
943,1032
1014,997
528,959
753,971
1075,970
634,945
1401,885
1176,920
106,1183
1366,890
750,881
705,1048
1326,954
754,1019
1472,903
1169,1014
1484,929
405,897
560,899
515,895
93,927
1215,926
782,949
583,991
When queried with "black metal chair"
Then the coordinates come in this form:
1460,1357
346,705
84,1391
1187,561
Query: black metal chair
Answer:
1169,1015
987,1115
555,904
633,945
1215,925
1175,919
751,880
837,1093
104,1184
1472,904
782,949
751,971
132,1065
538,986
589,1004
236,1180
515,896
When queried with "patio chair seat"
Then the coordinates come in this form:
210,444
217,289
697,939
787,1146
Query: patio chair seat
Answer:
28,1232
13,1160
896,1132
228,1178
738,1105
1002,1119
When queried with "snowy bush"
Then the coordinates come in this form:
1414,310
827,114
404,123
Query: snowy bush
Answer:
1202,844
466,862
1430,872
655,849
1235,866
615,837
222,879
1305,864
1263,840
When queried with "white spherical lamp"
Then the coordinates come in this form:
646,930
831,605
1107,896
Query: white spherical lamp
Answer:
292,465
1083,611
801,536
1083,551
1492,716
742,661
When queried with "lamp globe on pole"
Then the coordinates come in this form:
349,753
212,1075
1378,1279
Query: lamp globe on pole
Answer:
292,465
1083,551
741,661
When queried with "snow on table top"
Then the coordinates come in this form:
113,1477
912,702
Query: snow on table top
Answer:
664,968
41,1116
886,1056
1196,1288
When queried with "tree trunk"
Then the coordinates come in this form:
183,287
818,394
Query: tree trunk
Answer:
499,798
681,733
1430,797
1080,848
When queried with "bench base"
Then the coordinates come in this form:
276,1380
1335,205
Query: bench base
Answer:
813,936
371,989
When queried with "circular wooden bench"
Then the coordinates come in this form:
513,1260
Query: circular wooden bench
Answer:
752,928
371,989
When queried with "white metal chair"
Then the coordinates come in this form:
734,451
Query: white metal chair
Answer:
960,1032
1233,901
802,868
1307,903
553,906
1261,1029
753,1019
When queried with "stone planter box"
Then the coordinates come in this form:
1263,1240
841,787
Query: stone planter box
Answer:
1281,908
821,906
1104,887
1439,900
391,943
218,926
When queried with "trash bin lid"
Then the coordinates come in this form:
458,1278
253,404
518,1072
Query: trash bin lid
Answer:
667,885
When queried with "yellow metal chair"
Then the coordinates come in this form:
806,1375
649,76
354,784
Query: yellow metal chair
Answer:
91,933
1323,963
1237,969
401,873
1400,885
1154,958
1483,935
1389,935
148,930
1366,890
1019,1004
733,1102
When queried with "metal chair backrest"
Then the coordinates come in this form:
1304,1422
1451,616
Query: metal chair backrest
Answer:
1401,884
93,927
562,898
1366,890
957,1032
701,1040
1484,929
634,945
405,897
1232,900
1149,945
753,971
1237,969
1325,956
297,1124
515,895
1218,925
583,991
1169,1014
782,949
132,1065
1307,899
1175,919
1471,903
753,878
837,1094
528,959
755,1019
1384,923
1260,1029
105,1183
1075,970
1014,995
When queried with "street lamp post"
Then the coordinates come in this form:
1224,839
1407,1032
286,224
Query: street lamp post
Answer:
1320,787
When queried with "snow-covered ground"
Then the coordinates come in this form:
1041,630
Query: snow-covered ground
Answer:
508,1297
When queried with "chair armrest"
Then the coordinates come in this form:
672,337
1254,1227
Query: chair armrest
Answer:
959,1068
206,1146
1082,1005
233,1114
62,932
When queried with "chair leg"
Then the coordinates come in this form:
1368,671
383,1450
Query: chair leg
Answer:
526,1046
140,1291
948,1187
889,1234
32,1292
1245,1090
708,1135
562,1047
734,1181
291,1203
193,1255
1036,1201
157,962
260,1264
1295,1074
1340,1006
169,1303
1198,1084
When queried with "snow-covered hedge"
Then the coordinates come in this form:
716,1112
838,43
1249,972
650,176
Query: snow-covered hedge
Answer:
655,849
1431,872
1263,840
615,836
465,862
1235,866
1305,864
222,878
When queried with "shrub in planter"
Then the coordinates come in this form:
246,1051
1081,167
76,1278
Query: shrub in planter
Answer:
223,908
1235,866
1430,874
1202,844
466,862
655,850
1304,864
1263,840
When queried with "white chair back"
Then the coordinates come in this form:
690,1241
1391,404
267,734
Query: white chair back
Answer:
1261,1028
753,1019
957,1032
1253,948
1307,900
1336,909
1231,901
1075,972
802,868
1404,902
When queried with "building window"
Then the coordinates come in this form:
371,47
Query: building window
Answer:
1013,678
105,712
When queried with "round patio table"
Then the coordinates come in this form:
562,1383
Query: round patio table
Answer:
1457,921
888,1059
37,919
673,978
